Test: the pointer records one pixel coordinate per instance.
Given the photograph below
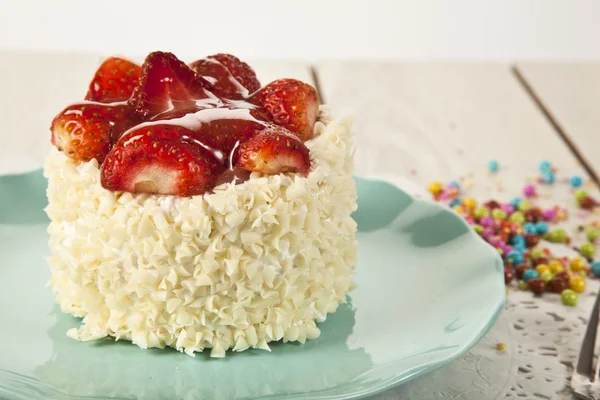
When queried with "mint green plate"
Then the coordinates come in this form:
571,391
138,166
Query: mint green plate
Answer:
428,289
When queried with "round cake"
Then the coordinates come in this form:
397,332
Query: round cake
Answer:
242,264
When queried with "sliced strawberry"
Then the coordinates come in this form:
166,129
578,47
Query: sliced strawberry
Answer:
162,159
166,83
272,151
115,80
292,104
87,130
231,77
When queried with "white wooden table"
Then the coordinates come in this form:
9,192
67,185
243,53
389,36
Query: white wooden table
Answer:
415,122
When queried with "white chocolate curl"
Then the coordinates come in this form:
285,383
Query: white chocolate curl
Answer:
234,269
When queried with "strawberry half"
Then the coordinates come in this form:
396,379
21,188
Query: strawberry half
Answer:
272,151
290,103
231,77
88,130
166,83
161,159
114,80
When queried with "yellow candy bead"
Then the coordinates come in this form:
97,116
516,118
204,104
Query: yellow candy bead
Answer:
459,209
577,264
556,266
542,268
577,283
435,187
469,203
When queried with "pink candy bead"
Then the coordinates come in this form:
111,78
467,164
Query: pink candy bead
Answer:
548,214
486,221
487,233
507,208
529,191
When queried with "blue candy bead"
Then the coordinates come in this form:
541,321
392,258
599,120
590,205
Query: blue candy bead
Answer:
520,247
576,181
530,274
545,166
455,202
516,257
493,166
595,267
547,177
454,184
530,228
515,202
541,228
517,239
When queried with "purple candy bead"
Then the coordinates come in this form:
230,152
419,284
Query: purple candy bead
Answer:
507,249
487,233
507,208
548,214
486,221
529,190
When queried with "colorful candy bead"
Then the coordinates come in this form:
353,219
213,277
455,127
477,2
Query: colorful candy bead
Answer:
537,285
558,284
547,276
493,166
548,214
515,257
530,274
542,268
595,267
577,264
515,202
592,234
569,297
530,228
517,217
469,203
580,194
486,221
498,214
544,166
576,181
529,191
454,184
577,283
556,266
587,249
547,177
557,235
481,212
435,187
523,285
524,205
541,228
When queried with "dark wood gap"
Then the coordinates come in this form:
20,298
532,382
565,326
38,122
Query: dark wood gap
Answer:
555,124
314,74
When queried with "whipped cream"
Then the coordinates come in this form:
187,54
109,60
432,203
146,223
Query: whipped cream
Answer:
234,269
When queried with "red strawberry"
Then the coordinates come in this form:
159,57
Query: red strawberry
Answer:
162,159
231,77
272,151
166,83
114,81
87,130
291,104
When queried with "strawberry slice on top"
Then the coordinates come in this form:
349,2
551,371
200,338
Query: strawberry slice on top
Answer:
166,83
114,81
272,151
231,77
88,130
161,159
292,104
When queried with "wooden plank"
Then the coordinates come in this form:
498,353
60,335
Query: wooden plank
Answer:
571,93
36,86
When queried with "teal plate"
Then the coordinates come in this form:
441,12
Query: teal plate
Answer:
428,289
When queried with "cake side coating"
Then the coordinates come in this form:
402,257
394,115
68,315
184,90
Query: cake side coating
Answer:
237,268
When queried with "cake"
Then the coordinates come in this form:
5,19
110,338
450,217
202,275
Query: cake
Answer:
192,208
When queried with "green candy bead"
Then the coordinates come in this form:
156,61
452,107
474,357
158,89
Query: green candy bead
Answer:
523,285
587,250
569,297
580,194
592,234
517,217
547,276
525,205
537,253
498,214
557,235
478,228
481,212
